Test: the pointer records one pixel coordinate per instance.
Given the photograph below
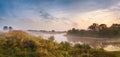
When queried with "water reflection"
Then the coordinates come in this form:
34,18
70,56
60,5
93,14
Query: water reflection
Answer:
112,48
58,37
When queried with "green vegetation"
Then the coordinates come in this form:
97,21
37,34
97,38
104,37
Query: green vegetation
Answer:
21,44
96,30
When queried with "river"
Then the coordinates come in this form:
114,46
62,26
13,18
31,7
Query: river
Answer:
105,43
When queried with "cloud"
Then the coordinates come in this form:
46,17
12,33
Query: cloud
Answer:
1,18
44,15
59,14
104,16
76,6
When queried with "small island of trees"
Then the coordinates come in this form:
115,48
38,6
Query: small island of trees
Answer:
96,30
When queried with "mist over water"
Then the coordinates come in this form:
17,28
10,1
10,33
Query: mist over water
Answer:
57,37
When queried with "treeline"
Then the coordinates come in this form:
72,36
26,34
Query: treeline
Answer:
96,30
21,44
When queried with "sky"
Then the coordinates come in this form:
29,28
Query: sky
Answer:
58,14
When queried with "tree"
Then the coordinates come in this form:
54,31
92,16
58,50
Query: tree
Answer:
73,29
94,27
53,30
115,26
115,29
102,26
10,28
5,28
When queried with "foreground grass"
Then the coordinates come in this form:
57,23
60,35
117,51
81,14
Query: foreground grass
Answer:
21,44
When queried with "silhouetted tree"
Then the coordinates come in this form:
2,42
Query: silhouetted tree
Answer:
5,28
102,26
94,27
115,29
53,30
10,28
115,26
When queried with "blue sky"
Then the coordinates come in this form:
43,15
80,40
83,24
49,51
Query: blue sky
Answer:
58,14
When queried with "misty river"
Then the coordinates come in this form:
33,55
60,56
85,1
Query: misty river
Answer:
105,43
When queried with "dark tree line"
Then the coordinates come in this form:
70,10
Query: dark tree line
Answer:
96,30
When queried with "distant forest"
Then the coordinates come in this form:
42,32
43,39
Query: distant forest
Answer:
96,30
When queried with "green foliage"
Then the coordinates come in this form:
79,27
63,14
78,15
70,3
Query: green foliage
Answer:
21,44
51,38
